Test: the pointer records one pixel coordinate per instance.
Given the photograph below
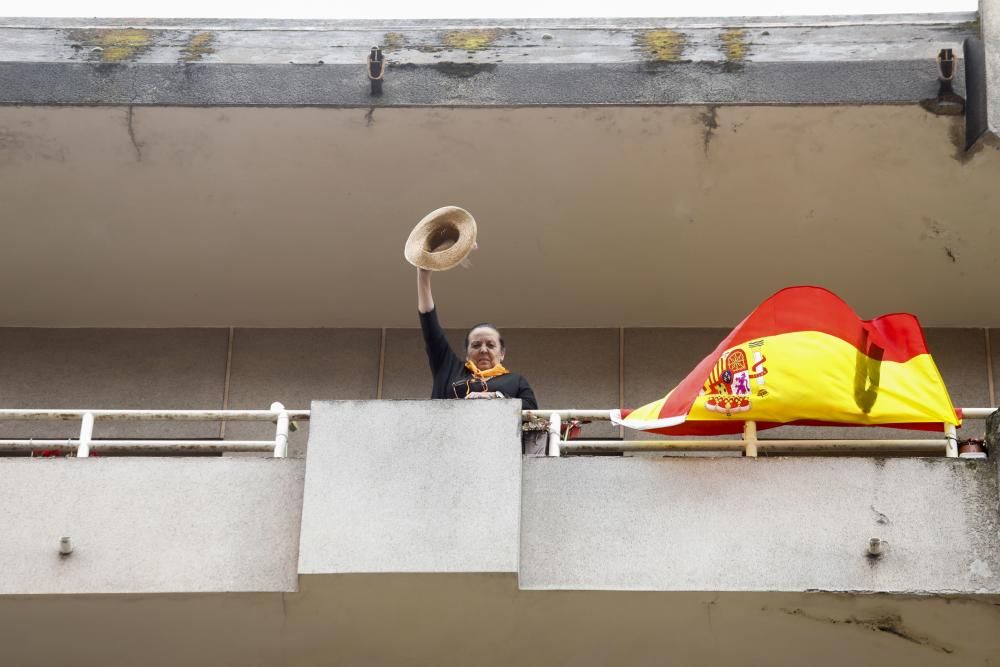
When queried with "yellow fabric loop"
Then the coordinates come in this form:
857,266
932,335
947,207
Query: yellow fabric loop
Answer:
488,373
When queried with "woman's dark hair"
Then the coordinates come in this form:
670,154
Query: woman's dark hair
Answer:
484,325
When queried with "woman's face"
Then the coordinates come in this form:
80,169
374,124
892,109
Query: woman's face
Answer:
484,348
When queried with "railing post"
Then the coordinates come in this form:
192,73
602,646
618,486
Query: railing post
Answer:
281,432
750,439
555,430
86,435
950,441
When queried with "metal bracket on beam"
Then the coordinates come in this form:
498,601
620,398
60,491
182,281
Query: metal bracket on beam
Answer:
947,102
376,70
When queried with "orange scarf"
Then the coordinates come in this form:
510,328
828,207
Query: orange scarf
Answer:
488,373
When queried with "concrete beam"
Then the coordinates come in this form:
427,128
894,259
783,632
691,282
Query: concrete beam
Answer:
820,60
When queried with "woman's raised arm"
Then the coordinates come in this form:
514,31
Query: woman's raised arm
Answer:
425,300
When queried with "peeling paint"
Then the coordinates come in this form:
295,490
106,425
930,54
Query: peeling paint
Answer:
980,569
198,46
473,40
114,45
665,46
935,230
734,45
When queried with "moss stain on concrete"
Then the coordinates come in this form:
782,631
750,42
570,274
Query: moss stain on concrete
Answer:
735,45
198,46
114,45
665,46
473,40
393,41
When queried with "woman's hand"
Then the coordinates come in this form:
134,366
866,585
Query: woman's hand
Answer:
481,394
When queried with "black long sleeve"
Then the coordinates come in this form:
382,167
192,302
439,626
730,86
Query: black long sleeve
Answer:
443,361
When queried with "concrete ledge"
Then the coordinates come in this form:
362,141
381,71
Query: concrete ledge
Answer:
782,524
147,525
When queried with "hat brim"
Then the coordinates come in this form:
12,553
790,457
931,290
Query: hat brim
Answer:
442,239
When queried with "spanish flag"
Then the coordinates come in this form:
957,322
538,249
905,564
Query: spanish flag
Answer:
804,357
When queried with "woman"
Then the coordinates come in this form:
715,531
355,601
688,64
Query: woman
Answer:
481,374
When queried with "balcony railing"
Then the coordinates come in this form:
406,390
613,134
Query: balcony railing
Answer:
749,444
558,441
282,417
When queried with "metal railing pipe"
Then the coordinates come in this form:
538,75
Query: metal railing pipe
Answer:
763,446
281,431
86,433
98,447
150,415
555,433
750,439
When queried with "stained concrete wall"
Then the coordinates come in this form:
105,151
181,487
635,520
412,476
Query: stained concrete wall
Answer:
412,486
112,368
296,366
149,525
187,368
782,524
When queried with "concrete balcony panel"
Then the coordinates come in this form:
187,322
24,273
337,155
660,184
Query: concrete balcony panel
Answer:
412,486
782,524
149,525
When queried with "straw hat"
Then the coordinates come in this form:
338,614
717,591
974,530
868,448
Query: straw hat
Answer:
442,239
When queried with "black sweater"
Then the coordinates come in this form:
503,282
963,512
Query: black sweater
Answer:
448,370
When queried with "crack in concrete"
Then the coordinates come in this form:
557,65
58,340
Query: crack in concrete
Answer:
130,117
370,117
131,134
890,624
